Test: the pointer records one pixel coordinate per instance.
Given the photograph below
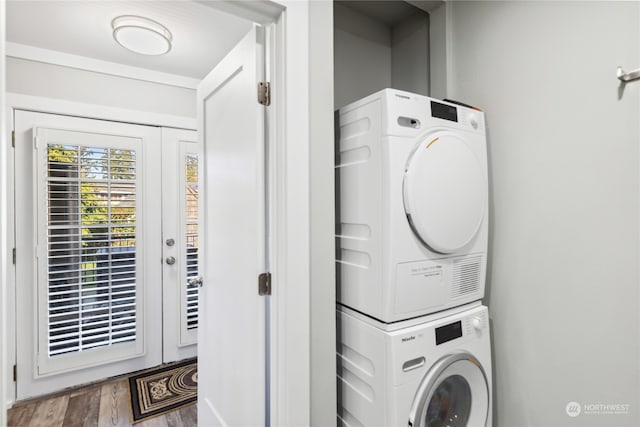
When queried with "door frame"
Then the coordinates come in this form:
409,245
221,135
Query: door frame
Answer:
68,108
300,131
300,125
148,298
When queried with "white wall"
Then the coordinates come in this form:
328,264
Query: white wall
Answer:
4,259
54,81
563,284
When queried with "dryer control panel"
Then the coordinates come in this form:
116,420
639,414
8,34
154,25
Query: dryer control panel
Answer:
415,113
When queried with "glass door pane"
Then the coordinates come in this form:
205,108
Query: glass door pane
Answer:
91,207
181,204
192,204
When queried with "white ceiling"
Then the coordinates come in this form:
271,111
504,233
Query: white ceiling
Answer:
202,35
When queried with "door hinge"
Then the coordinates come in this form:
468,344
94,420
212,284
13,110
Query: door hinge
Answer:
13,255
264,284
13,138
264,93
15,373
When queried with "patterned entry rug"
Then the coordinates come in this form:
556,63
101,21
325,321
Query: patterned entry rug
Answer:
163,390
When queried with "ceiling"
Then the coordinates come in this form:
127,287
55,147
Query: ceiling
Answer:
390,12
202,35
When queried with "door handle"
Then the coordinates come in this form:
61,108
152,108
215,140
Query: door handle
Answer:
170,260
195,282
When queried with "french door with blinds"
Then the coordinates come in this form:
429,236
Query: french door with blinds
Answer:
98,205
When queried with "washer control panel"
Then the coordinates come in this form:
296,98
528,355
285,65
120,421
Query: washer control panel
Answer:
476,323
472,325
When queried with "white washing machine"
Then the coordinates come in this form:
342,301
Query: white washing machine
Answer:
427,372
411,217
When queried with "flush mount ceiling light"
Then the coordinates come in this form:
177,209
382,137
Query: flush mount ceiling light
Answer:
141,35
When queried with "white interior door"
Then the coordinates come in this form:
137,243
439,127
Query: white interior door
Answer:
232,333
88,287
180,206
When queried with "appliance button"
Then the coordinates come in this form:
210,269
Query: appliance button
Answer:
474,122
477,323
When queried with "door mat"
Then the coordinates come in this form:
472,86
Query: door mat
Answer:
158,391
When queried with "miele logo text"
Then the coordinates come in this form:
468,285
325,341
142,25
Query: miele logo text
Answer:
408,338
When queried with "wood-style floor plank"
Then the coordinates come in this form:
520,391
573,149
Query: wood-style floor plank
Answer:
20,416
114,405
174,419
160,421
98,405
86,389
50,413
189,415
83,408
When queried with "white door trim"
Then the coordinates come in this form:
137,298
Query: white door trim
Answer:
47,56
40,104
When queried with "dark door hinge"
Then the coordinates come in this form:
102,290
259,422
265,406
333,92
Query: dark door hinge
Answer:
13,255
264,284
264,93
15,373
13,138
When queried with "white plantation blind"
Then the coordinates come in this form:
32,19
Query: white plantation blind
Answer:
191,236
91,232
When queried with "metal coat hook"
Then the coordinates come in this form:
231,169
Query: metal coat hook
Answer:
627,77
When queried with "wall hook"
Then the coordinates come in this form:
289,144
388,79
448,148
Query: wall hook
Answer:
627,77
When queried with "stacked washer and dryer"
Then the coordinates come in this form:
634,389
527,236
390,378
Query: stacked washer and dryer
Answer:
411,232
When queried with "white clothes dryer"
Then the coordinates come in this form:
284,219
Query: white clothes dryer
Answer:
411,217
426,372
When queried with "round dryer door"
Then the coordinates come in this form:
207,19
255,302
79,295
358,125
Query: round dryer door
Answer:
453,393
444,192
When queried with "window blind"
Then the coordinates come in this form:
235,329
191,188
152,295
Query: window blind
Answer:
91,241
191,236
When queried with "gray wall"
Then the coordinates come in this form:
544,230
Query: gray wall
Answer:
438,52
54,81
410,55
564,177
321,197
370,55
362,56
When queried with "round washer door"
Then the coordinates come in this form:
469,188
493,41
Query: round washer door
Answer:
453,393
444,191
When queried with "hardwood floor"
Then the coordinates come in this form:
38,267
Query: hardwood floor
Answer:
98,405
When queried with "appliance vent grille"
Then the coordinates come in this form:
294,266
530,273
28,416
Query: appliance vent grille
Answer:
466,276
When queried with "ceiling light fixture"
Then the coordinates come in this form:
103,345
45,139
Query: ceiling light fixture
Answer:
141,35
